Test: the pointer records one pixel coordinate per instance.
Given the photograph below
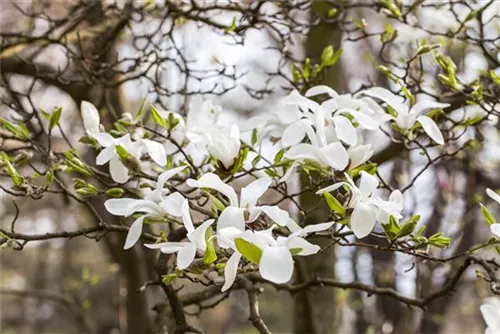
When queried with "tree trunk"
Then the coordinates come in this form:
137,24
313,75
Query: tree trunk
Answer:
314,311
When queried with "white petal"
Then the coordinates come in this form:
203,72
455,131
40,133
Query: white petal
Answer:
198,236
321,89
333,187
226,236
119,173
302,151
212,181
105,139
186,255
493,195
426,105
359,155
345,130
254,214
329,105
396,197
231,270
168,247
276,264
317,227
231,217
134,233
279,216
307,247
186,216
293,134
293,226
295,98
431,128
90,117
172,204
127,206
368,184
165,176
363,219
495,229
156,151
289,172
388,97
335,155
251,193
365,121
490,315
105,155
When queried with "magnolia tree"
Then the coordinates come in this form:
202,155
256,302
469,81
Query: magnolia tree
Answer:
233,205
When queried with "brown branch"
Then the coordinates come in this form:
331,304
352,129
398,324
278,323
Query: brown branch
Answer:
253,303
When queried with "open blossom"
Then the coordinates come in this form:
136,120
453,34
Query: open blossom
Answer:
406,116
275,257
491,314
119,172
157,204
224,146
237,213
495,228
368,208
186,250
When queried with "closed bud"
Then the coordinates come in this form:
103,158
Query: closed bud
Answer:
115,192
86,191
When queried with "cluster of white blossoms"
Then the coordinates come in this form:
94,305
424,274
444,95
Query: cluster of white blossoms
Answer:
328,134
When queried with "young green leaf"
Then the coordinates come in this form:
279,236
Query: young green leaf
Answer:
254,137
248,250
488,216
17,179
334,204
210,256
157,118
54,118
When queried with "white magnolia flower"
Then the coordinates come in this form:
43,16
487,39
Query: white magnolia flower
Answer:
118,171
224,146
367,208
186,251
236,214
154,205
407,117
491,314
495,228
276,260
